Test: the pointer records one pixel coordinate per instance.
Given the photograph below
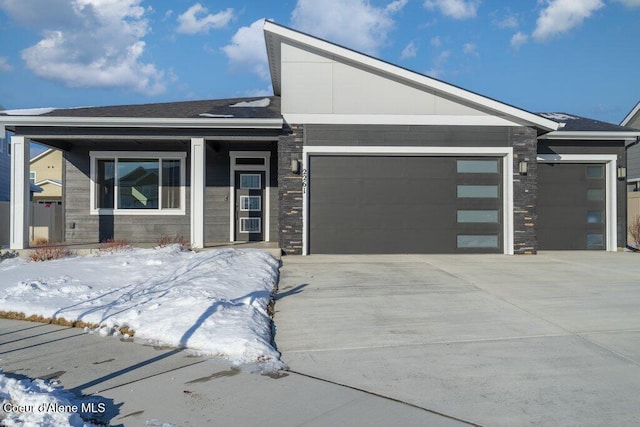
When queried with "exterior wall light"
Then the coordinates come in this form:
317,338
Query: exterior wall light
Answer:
523,168
622,172
295,166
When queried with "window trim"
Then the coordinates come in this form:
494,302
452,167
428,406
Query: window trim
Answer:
153,155
35,176
243,209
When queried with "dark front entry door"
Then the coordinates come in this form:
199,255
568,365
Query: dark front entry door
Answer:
249,199
571,206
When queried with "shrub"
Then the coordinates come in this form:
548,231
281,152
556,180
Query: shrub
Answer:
167,240
112,245
48,252
634,230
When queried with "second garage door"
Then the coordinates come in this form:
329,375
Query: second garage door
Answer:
571,206
403,204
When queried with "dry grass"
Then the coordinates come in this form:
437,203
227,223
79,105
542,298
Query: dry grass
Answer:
48,252
60,321
167,240
40,241
634,230
113,245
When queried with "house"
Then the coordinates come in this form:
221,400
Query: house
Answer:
45,171
351,155
632,120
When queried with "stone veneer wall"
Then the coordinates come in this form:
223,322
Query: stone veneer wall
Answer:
290,190
525,190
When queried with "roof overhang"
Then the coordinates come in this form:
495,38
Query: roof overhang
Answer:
128,122
630,136
632,114
275,35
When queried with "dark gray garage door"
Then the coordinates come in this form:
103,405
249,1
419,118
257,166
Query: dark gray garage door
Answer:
571,206
398,204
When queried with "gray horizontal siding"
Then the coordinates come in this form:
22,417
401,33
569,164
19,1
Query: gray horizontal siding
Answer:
633,162
390,135
5,175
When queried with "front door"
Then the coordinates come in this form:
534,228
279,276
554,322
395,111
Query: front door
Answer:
249,200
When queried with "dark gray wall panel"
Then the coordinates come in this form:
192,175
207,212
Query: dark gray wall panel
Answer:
407,135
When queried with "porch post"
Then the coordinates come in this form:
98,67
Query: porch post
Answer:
198,168
20,204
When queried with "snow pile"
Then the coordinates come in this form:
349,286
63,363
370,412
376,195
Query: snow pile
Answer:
29,402
28,111
214,302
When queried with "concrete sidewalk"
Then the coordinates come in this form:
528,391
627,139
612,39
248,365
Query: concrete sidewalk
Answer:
552,339
146,385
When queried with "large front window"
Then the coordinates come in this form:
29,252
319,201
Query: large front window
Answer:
129,183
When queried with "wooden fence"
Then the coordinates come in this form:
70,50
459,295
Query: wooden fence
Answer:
46,222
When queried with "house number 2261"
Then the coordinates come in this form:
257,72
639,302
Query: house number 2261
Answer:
304,181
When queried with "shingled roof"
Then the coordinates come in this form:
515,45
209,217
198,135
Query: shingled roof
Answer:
233,108
572,123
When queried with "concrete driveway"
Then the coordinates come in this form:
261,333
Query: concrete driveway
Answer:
552,339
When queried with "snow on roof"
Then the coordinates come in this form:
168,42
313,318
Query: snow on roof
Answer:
264,102
558,116
28,111
216,116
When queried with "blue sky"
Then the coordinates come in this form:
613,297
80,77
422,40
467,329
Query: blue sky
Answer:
575,56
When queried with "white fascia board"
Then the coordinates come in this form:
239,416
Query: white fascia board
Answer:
41,155
211,123
631,115
49,181
411,76
391,119
613,136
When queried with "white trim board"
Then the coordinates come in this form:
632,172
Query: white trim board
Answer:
610,160
507,177
266,168
392,119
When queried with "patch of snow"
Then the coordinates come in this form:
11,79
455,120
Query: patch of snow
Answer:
558,116
27,402
264,102
216,116
28,111
214,302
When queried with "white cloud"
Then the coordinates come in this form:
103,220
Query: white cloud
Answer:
4,64
436,41
458,9
438,65
518,40
247,50
560,16
197,20
354,23
509,21
89,43
630,3
470,49
410,51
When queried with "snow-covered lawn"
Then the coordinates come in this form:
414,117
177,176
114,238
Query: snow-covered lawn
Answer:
213,302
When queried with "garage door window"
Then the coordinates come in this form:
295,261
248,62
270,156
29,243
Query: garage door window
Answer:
477,241
595,241
595,217
469,216
595,171
477,166
478,191
595,194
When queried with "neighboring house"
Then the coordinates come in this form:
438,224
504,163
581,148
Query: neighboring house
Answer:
45,171
351,155
5,169
632,120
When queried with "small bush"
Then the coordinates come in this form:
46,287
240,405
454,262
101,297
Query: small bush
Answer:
634,230
49,252
112,245
167,240
40,241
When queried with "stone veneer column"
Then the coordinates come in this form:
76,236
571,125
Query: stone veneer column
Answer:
290,191
525,190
